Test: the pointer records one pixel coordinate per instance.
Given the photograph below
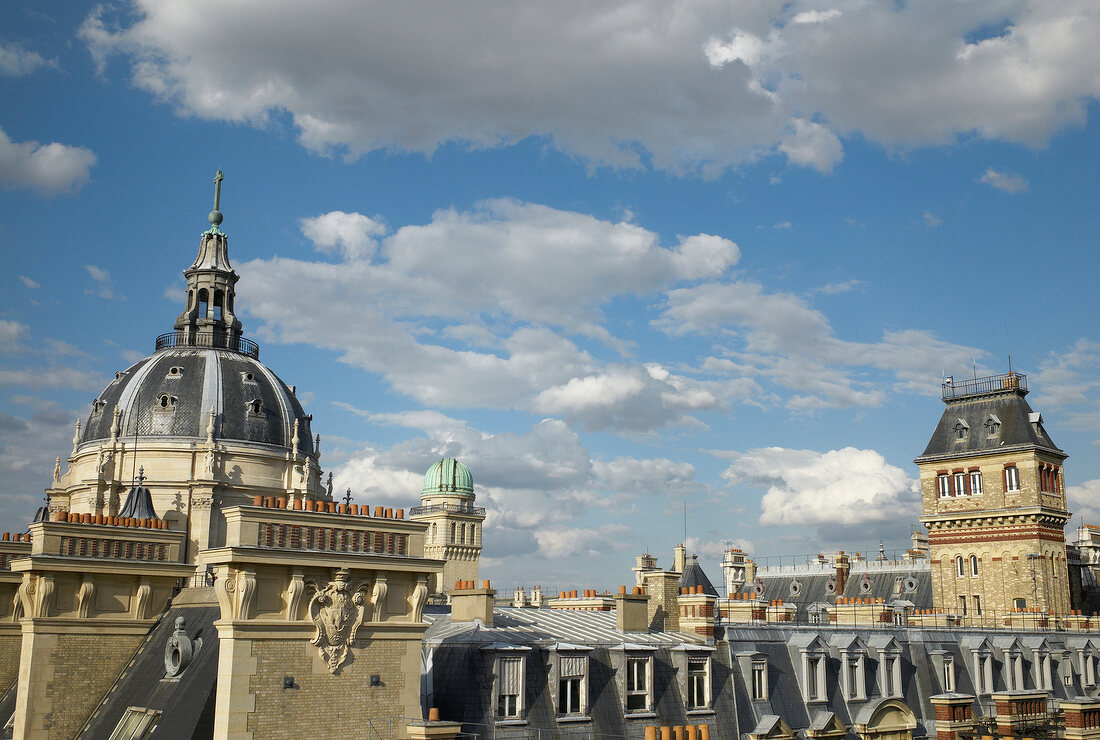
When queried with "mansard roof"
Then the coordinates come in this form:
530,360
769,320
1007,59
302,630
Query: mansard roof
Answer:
1014,426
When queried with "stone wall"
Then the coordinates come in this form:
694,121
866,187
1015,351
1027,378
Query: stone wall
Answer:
64,676
332,705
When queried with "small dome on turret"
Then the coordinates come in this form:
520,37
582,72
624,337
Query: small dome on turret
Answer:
448,477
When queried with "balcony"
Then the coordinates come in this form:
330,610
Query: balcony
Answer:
953,389
443,508
215,340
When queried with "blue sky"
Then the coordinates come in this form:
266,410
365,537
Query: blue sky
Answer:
614,258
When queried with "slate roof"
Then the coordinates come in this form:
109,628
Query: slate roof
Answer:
911,581
205,379
186,702
694,576
1015,431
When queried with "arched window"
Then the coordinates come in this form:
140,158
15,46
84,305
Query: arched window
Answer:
219,299
959,569
973,565
454,532
204,304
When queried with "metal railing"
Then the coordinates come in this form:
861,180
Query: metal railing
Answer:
441,508
977,386
214,340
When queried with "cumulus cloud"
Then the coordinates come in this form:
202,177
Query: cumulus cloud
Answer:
555,543
46,168
1068,381
16,60
1084,502
689,89
30,284
1009,182
803,487
812,145
352,234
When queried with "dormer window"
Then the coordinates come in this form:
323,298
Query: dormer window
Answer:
97,406
255,407
175,372
166,403
248,377
992,425
961,430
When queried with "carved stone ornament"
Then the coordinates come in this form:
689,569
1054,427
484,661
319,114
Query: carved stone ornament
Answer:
337,612
179,650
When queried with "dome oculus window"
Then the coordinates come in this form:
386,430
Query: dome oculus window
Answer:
175,372
166,403
248,377
255,407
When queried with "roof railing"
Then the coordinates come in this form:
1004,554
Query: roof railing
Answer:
213,340
440,508
1011,381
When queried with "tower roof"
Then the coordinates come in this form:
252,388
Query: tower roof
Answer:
987,415
448,477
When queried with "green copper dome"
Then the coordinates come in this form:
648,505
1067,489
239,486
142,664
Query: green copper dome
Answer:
448,477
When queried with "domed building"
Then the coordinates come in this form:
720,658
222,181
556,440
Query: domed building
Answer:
454,523
208,423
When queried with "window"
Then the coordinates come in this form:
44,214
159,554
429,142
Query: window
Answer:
854,684
813,676
961,428
571,688
135,724
166,403
759,680
992,425
1012,478
977,605
960,484
960,569
256,407
697,679
973,565
975,482
962,606
204,304
637,684
890,665
983,673
1019,604
943,483
1043,679
948,673
510,685
219,298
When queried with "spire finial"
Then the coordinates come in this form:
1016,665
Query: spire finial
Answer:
215,216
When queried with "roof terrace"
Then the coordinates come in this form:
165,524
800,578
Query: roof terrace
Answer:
956,389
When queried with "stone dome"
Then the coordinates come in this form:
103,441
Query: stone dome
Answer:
448,477
170,395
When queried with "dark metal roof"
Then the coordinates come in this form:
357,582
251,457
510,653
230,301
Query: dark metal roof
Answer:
1014,430
170,393
139,504
694,576
186,701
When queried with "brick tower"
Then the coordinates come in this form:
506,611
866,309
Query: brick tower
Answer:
993,499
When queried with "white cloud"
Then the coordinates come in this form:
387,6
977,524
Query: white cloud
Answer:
838,288
352,234
16,61
557,543
47,378
11,332
1009,182
1084,501
812,145
782,226
46,168
1068,381
697,88
103,288
931,220
839,487
30,284
29,443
